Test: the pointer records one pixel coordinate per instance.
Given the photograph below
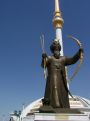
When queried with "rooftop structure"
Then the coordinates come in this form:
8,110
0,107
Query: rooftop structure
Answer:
79,103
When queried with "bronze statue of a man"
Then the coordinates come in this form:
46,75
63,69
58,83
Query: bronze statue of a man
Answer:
56,92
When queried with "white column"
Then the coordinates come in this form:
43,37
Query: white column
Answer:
59,37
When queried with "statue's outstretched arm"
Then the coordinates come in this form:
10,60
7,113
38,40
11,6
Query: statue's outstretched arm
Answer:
74,59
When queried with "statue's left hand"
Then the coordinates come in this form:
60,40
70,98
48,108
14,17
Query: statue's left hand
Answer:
44,55
81,50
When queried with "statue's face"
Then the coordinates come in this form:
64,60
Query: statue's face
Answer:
57,54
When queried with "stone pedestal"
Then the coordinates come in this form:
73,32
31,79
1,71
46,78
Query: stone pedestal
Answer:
49,109
56,117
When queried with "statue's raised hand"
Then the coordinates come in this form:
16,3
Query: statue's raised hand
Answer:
44,55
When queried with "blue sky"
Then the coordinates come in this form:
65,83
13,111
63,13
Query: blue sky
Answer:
21,24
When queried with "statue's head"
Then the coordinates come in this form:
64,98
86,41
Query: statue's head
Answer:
55,48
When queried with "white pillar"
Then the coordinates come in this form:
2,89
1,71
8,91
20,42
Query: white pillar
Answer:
59,37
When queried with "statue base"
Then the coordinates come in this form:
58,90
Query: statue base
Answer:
56,117
50,109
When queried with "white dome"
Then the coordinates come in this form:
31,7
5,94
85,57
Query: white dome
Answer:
31,107
77,102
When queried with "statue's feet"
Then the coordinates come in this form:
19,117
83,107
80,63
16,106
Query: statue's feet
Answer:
46,101
46,109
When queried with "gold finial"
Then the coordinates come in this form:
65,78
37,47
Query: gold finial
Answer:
57,10
57,21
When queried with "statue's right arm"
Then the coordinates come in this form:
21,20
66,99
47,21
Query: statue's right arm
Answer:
44,59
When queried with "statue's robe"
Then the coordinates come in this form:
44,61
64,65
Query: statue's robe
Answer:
56,91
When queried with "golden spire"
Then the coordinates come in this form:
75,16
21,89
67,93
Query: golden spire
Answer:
57,21
57,6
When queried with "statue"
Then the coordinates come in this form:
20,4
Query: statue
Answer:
56,91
